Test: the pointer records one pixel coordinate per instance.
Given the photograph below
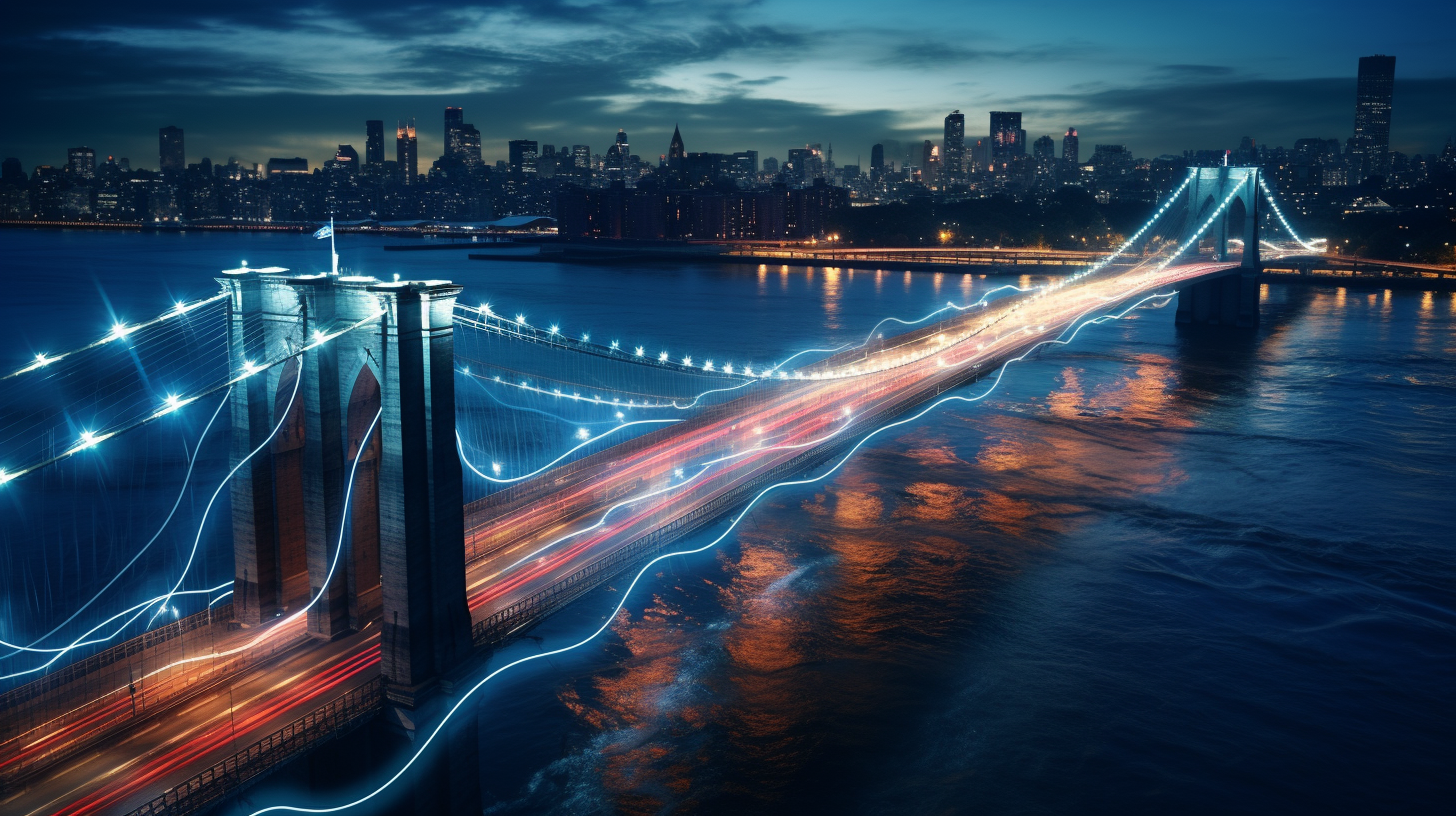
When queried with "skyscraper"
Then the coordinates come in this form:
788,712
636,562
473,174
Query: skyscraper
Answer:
347,158
953,157
81,161
877,163
374,141
1372,114
1044,150
523,155
1008,140
1069,147
454,123
407,151
581,157
469,145
174,158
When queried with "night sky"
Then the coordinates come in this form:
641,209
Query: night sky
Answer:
266,78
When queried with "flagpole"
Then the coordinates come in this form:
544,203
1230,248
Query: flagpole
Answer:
332,251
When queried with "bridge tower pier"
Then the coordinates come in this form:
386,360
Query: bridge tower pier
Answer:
355,349
1230,299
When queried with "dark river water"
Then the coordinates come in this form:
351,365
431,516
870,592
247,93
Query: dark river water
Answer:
1158,571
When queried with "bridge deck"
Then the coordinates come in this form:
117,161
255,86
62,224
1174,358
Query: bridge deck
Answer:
510,537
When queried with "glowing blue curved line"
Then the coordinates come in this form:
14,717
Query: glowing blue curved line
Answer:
197,451
197,540
702,468
79,642
214,601
464,698
699,397
460,443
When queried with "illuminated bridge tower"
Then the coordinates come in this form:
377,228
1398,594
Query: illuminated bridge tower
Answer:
340,351
1232,298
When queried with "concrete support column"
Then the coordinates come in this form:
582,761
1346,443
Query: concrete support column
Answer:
426,624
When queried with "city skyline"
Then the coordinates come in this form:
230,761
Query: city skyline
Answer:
762,78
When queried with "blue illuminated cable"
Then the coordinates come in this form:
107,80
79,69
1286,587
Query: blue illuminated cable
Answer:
611,617
460,443
186,480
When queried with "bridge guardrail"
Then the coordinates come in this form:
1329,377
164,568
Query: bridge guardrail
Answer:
52,719
246,767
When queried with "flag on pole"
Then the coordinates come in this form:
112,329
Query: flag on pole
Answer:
325,232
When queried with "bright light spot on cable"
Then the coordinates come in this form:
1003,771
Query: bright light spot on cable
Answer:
88,439
42,360
583,433
555,328
119,330
662,358
521,319
485,309
688,361
250,368
638,351
5,477
495,466
620,415
181,307
173,403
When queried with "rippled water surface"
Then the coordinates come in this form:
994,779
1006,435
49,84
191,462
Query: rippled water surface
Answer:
1159,571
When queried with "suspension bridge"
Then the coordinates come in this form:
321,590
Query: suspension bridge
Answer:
401,502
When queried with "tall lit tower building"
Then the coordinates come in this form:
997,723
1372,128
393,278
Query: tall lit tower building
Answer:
407,151
374,141
1069,147
1008,140
953,158
1372,114
877,163
81,161
454,126
676,152
174,157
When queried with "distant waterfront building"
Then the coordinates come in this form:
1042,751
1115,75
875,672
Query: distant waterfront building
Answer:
1008,140
523,155
81,161
1044,149
1069,147
771,166
581,157
1373,90
407,151
953,157
295,165
174,157
374,141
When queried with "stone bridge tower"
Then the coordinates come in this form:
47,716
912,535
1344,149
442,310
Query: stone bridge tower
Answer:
1230,299
338,352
